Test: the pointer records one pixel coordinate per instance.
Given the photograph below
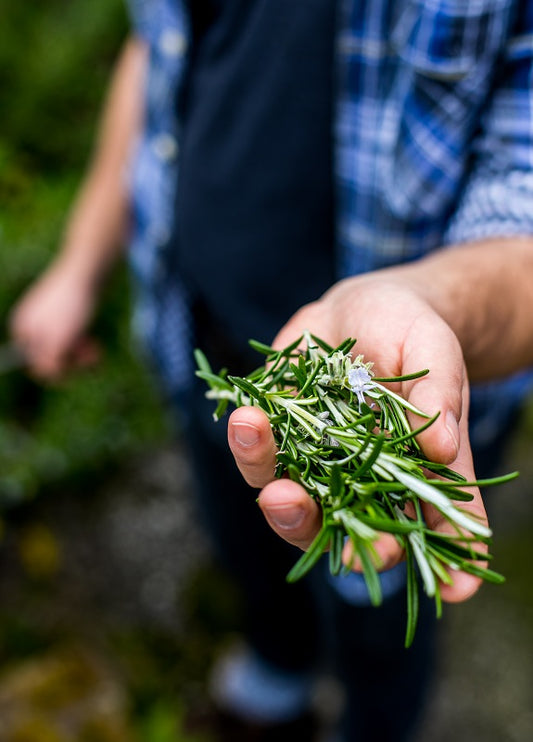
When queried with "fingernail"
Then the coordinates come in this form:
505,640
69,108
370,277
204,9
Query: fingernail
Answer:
245,434
452,427
286,516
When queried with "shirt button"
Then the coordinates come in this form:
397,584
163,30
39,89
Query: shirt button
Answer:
172,43
165,146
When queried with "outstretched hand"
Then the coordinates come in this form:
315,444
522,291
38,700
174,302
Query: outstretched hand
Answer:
401,333
49,324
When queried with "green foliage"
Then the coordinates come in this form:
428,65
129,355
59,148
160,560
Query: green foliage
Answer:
55,60
164,722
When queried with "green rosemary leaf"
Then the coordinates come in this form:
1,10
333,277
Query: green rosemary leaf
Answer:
335,551
401,401
294,472
424,567
246,386
388,525
310,380
440,571
310,557
290,348
201,361
374,487
452,551
370,572
413,433
412,596
484,573
442,470
286,435
214,381
257,375
503,479
452,491
335,483
262,348
405,377
370,460
345,346
322,344
438,604
221,409
298,374
368,418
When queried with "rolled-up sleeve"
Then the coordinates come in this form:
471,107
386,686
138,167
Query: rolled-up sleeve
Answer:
141,12
497,199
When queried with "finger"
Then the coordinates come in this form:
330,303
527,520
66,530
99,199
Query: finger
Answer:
252,444
443,391
464,585
388,554
291,512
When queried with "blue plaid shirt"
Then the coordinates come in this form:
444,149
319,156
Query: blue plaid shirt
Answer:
433,136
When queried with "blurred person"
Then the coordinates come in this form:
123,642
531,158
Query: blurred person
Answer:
356,169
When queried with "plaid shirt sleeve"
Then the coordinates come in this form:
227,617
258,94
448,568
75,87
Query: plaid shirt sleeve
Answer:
497,199
139,11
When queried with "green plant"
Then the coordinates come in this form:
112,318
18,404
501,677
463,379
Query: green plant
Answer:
55,61
344,435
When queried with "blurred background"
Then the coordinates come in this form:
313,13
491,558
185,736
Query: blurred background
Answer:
110,607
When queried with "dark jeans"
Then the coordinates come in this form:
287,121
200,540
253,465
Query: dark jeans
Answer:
301,626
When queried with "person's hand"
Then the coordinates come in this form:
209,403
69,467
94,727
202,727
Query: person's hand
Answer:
400,332
49,324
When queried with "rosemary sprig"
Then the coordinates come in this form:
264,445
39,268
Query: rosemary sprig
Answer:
344,436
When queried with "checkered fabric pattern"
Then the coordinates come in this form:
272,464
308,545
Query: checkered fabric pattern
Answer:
434,146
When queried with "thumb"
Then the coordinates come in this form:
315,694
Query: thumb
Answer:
290,512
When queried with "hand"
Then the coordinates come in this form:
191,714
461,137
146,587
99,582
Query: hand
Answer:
398,330
49,324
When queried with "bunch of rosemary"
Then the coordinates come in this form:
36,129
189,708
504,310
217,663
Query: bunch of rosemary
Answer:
344,436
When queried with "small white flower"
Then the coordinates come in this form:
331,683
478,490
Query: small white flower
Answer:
360,382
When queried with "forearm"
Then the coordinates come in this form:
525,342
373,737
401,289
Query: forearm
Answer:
484,291
97,227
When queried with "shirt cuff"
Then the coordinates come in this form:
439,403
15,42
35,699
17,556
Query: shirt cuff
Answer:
493,206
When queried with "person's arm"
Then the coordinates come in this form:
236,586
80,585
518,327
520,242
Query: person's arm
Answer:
472,303
401,333
50,322
484,291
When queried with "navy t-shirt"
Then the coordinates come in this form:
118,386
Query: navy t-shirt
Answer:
255,212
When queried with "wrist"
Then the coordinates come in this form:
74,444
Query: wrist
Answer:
75,269
480,289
